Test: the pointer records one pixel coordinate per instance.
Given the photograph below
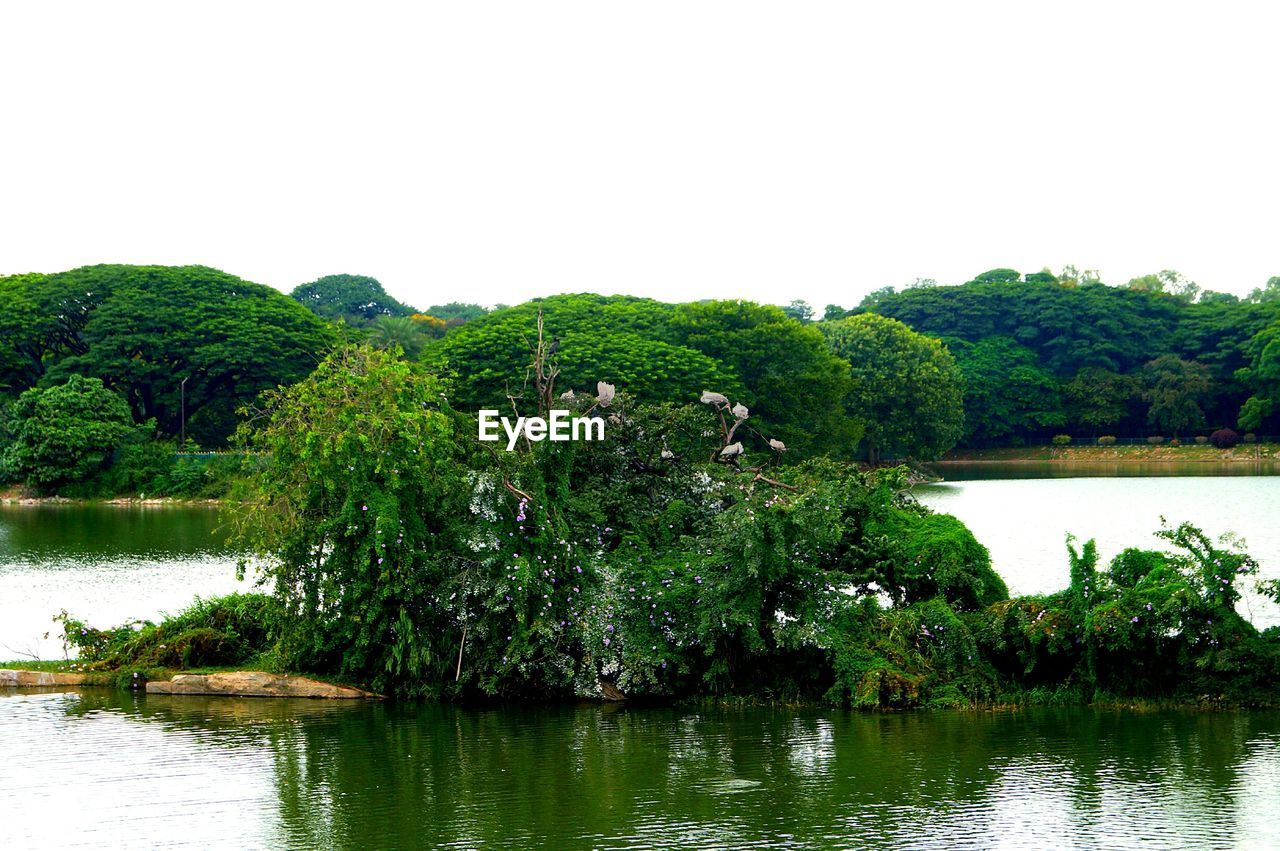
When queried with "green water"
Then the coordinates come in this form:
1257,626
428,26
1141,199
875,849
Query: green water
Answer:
108,769
97,768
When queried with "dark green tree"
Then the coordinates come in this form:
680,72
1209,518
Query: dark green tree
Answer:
356,299
1175,391
66,433
906,389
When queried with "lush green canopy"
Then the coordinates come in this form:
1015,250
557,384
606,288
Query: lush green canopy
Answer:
356,299
905,387
144,329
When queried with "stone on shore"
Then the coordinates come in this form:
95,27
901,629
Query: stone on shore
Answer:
254,684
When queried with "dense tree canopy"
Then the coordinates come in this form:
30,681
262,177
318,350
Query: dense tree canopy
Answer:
1085,336
143,329
906,390
67,432
356,299
1262,377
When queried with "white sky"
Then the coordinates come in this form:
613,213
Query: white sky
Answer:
492,152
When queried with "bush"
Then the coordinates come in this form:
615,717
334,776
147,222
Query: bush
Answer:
219,631
1224,438
1107,440
1155,440
1061,439
1250,437
66,433
1201,440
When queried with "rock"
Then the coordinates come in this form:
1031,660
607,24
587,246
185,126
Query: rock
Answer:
254,684
39,678
610,691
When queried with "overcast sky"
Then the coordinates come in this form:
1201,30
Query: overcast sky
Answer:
492,152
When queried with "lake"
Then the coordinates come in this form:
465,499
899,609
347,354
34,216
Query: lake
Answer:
96,768
1024,521
105,769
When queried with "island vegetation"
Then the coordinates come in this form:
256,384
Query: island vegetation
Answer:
743,530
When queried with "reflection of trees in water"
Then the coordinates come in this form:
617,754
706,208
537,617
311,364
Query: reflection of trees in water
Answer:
405,774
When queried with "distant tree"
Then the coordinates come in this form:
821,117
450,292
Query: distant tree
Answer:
835,311
906,389
1175,389
67,432
1268,293
1004,276
1262,378
869,302
800,310
1098,398
387,332
456,310
1044,276
143,329
1007,393
356,299
1168,281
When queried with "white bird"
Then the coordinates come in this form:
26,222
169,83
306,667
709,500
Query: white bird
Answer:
777,445
740,411
604,392
666,454
568,394
732,450
709,398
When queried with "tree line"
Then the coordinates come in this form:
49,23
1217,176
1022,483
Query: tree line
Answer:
1005,358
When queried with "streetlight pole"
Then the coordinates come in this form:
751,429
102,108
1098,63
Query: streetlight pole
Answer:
182,395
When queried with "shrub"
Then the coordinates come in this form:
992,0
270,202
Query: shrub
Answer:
1155,440
1224,438
1250,437
1201,440
1061,439
1107,440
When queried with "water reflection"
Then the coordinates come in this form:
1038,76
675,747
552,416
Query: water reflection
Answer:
90,768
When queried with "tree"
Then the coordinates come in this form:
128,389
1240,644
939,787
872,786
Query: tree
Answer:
360,513
1175,390
1268,293
800,310
1262,377
143,329
456,310
356,299
1006,392
1098,398
906,389
789,377
623,340
388,332
67,432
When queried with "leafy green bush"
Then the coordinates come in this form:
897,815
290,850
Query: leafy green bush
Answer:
219,631
1107,440
1250,437
1202,440
68,432
1155,440
1061,439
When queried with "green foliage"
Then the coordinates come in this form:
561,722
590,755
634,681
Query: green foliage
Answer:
1262,378
1175,390
906,388
355,299
143,329
217,632
1062,440
359,513
66,433
1006,393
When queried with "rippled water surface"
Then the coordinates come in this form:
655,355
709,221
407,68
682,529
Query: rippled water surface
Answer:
106,768
105,564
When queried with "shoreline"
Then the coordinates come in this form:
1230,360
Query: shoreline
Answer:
1163,454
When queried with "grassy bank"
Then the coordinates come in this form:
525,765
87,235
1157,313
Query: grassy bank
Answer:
1186,453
